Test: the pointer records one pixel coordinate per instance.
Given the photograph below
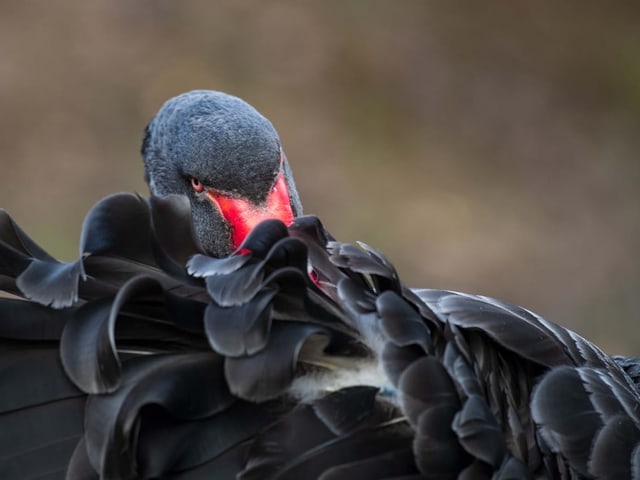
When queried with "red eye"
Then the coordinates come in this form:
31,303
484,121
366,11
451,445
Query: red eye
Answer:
196,184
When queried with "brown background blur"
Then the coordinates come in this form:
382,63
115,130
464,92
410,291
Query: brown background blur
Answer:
485,147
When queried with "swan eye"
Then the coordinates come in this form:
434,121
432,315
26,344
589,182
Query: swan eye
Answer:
197,184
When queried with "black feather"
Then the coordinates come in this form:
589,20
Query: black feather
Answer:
204,266
51,283
118,225
173,228
112,421
242,330
269,373
88,349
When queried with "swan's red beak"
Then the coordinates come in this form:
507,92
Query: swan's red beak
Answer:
243,215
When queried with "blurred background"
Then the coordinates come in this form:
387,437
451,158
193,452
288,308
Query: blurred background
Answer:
489,147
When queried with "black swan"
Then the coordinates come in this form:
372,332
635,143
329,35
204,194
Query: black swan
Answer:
193,340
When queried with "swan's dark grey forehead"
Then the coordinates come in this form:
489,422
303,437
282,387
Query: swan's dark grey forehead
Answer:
218,138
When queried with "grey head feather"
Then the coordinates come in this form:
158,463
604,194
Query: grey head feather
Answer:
223,142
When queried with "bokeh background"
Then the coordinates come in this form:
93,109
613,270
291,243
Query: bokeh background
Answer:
490,147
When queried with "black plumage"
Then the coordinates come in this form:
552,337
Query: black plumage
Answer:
294,357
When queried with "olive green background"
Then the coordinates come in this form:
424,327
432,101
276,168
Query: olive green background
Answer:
490,147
